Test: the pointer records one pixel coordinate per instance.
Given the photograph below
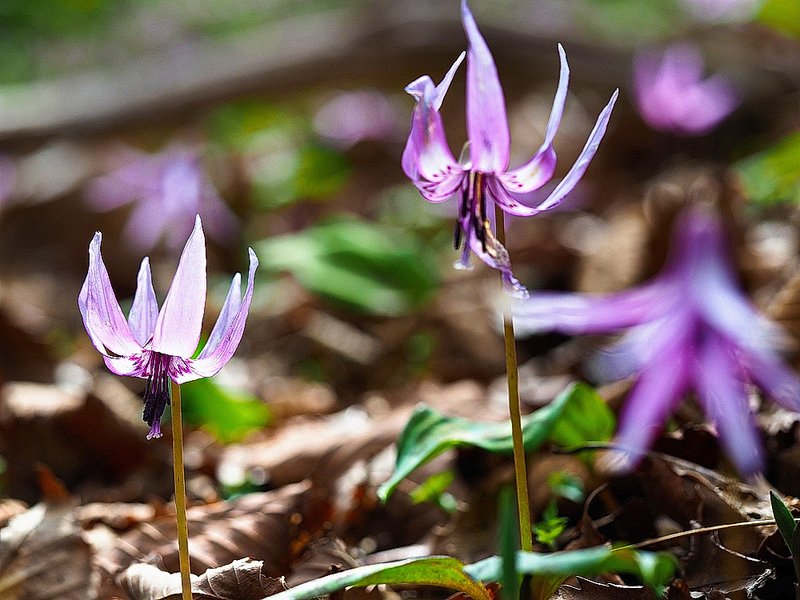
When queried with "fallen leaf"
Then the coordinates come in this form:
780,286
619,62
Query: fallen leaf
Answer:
240,580
44,556
595,590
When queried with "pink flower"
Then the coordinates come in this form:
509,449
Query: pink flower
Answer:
159,345
672,96
690,328
485,178
168,189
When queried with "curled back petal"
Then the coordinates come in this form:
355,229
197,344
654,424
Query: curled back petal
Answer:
487,125
214,357
565,186
144,310
178,325
102,316
539,169
427,159
444,84
718,380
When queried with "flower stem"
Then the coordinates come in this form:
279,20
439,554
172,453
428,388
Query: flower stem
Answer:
521,476
180,492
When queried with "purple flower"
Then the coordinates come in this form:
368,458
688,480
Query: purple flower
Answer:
484,179
672,96
169,189
353,117
159,345
690,328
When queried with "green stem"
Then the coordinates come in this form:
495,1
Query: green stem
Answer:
523,505
180,492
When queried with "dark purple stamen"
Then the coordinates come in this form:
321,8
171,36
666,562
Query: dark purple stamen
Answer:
156,394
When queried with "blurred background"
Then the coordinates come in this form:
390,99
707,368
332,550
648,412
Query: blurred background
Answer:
282,123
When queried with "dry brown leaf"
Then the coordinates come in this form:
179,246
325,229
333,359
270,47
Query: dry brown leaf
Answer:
44,556
81,436
269,526
594,590
240,580
710,566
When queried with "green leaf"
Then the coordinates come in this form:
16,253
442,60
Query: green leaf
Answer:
654,569
433,489
439,571
228,414
785,521
773,175
429,433
566,485
586,418
783,15
365,267
509,543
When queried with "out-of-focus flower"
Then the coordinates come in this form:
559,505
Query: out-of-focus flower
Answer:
484,179
159,345
672,96
712,11
352,117
168,188
690,328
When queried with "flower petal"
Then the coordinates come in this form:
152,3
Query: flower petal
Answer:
427,159
771,375
226,315
102,316
722,393
653,397
487,125
215,356
539,169
564,187
179,323
144,311
135,365
581,314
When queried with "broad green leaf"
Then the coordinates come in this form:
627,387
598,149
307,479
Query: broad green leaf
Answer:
362,266
773,175
229,415
586,418
429,433
654,569
785,521
439,571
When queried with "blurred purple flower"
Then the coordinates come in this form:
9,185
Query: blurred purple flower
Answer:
484,179
169,188
689,328
672,96
158,345
352,117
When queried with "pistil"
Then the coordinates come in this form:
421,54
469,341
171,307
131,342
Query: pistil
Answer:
156,394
